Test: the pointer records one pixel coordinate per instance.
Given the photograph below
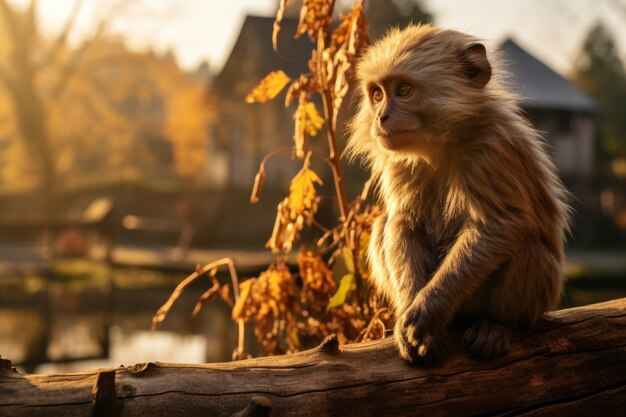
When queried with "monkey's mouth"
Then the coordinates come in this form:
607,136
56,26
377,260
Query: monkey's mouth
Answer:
397,139
396,132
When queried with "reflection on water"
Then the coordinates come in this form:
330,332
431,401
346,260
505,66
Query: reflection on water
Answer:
101,318
18,331
79,315
127,348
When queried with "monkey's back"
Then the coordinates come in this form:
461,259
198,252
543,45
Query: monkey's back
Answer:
500,177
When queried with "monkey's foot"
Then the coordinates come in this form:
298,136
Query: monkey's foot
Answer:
487,340
430,351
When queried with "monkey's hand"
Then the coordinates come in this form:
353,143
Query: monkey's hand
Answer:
420,332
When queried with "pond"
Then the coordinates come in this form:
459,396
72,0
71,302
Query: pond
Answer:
80,315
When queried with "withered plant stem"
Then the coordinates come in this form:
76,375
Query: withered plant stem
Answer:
340,188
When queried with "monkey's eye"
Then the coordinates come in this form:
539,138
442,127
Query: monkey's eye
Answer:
403,90
377,95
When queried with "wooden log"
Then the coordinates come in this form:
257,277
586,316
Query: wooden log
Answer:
572,364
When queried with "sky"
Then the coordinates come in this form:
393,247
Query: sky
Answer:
205,30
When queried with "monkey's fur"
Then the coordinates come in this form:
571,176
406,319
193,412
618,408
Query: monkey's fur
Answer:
475,216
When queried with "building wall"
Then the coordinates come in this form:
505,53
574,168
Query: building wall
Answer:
243,135
570,139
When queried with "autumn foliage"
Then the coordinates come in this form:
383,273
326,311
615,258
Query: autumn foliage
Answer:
292,307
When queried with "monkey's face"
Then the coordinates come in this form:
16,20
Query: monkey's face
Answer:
396,125
421,86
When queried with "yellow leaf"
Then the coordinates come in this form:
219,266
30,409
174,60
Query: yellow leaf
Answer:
302,195
313,121
308,121
346,285
269,87
244,289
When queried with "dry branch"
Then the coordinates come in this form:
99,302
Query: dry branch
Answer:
573,363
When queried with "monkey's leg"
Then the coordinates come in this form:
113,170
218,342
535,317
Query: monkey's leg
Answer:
487,339
528,287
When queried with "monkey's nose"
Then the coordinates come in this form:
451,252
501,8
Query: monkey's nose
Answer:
382,119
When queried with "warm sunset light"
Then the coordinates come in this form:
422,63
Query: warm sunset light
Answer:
312,207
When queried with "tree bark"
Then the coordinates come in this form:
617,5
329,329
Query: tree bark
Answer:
572,363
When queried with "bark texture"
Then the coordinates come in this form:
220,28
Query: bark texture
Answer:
572,364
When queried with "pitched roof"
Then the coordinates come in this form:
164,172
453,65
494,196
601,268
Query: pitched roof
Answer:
539,85
253,55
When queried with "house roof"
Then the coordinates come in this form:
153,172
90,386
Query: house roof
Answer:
253,55
539,85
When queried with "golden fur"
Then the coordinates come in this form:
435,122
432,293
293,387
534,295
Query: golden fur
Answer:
475,213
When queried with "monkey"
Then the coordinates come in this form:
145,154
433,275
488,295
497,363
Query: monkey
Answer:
475,215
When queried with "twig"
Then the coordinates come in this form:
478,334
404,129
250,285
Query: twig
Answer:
330,131
284,149
180,288
375,320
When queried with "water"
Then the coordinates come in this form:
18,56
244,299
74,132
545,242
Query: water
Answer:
84,316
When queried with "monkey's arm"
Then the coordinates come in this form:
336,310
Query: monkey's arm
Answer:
409,260
475,254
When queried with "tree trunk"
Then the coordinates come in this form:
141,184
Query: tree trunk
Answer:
573,363
20,80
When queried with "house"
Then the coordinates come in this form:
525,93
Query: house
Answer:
555,107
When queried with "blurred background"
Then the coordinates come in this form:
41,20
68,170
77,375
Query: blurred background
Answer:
127,156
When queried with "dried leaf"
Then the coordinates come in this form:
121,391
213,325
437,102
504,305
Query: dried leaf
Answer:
305,85
278,240
352,30
302,195
269,87
280,13
268,301
315,16
341,86
314,121
259,180
346,285
295,210
308,122
314,272
244,292
299,132
346,41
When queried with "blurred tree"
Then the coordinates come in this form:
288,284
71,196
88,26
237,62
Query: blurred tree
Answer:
18,75
145,118
186,126
70,114
600,71
24,56
383,14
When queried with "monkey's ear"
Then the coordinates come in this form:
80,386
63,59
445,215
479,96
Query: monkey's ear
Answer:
475,65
